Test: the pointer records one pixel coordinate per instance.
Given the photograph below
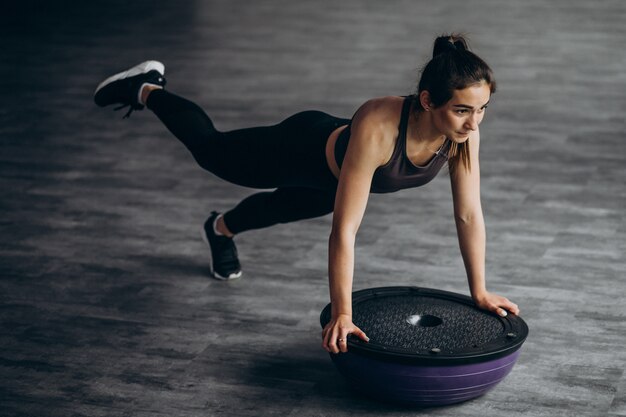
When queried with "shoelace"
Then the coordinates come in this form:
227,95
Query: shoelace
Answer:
130,110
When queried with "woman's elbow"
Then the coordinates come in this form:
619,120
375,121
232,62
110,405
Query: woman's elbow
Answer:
468,218
342,235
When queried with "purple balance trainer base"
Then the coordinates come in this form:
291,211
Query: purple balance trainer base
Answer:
427,347
424,386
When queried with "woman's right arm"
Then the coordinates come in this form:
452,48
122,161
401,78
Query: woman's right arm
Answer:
365,153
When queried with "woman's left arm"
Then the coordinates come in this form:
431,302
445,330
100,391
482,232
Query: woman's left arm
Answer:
470,226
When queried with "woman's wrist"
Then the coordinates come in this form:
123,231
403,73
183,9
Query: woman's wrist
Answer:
339,313
478,294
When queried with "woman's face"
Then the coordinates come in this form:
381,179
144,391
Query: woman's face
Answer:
462,114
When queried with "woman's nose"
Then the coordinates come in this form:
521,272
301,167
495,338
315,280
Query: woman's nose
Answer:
472,122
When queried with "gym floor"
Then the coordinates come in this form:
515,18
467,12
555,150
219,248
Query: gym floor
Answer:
106,308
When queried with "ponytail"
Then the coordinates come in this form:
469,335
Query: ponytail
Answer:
449,43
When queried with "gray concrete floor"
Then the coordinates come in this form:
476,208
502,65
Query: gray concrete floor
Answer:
105,304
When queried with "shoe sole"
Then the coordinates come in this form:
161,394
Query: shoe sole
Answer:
142,68
213,273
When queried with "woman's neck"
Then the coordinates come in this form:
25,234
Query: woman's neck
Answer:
422,131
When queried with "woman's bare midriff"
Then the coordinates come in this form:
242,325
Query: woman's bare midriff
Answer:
330,150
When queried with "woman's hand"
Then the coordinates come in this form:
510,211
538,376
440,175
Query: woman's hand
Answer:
495,303
335,334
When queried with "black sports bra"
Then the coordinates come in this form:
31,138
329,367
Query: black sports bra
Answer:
399,173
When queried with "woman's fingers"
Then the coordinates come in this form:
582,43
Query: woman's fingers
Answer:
337,343
497,304
326,343
504,306
335,337
330,340
332,343
360,334
513,308
342,342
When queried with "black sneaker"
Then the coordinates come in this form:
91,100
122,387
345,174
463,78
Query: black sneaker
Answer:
223,251
123,87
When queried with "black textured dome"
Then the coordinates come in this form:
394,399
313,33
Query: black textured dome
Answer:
416,323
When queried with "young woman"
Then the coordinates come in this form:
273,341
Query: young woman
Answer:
320,164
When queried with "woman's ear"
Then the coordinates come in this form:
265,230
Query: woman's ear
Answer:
425,100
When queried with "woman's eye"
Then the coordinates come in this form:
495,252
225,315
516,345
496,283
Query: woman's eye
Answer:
461,111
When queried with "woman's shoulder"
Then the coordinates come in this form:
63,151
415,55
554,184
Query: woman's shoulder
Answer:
382,107
381,112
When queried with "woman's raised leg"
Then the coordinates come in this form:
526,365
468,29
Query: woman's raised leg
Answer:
289,156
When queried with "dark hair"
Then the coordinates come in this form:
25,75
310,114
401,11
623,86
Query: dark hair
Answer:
453,67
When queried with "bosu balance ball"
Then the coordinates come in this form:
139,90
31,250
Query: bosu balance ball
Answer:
427,347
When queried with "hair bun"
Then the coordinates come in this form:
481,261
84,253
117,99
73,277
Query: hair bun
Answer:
460,45
449,43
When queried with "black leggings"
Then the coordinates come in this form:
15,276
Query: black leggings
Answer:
289,156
